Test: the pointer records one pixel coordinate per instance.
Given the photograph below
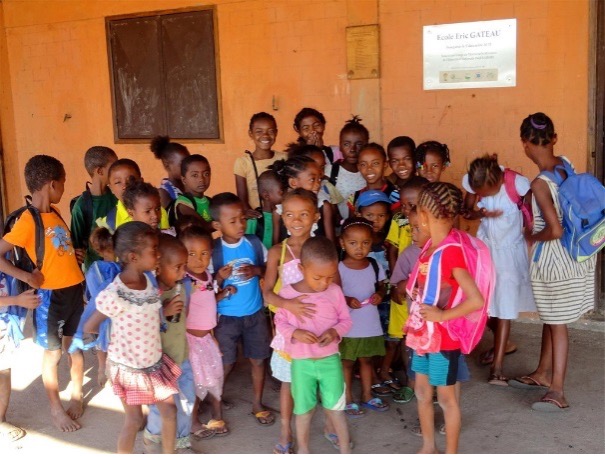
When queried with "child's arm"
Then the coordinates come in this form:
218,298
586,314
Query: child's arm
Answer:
92,324
183,209
352,302
378,296
276,219
28,299
223,273
553,229
33,279
343,323
223,293
327,210
164,197
241,187
468,210
79,231
392,253
474,299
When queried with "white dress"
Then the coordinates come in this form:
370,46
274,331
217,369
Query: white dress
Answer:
504,237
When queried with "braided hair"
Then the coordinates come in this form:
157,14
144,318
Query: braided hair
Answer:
431,147
538,129
442,200
354,125
291,168
484,171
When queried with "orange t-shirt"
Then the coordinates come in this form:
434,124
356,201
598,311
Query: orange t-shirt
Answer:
60,267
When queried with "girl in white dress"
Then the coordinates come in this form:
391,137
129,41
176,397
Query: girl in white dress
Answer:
498,194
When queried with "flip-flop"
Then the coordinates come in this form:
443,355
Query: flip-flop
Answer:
218,426
549,405
404,395
280,449
376,404
526,382
497,380
264,417
386,391
353,410
10,432
203,433
333,439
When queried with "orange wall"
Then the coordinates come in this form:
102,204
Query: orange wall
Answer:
54,62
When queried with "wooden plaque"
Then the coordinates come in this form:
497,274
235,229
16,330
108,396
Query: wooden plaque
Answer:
363,52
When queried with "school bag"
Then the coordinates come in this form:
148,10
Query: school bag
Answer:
87,208
582,202
423,336
218,260
171,209
334,172
513,195
13,315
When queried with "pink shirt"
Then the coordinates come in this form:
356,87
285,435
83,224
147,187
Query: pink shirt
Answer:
202,305
331,311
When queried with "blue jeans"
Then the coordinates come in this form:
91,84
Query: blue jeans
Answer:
184,401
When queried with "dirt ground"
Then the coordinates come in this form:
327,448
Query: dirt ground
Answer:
495,419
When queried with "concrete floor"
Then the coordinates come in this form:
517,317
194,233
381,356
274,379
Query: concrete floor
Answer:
495,420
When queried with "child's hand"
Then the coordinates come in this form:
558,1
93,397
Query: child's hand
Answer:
224,272
312,139
304,336
375,299
527,234
80,253
28,299
174,306
300,309
226,293
253,214
492,213
431,313
354,303
247,271
35,279
328,337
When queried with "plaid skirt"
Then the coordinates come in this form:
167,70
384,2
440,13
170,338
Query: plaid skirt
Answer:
144,386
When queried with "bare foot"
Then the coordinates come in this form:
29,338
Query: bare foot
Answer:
76,409
427,450
63,422
102,379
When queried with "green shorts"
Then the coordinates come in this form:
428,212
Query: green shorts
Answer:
352,348
325,373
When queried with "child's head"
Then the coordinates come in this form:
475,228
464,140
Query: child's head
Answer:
199,248
299,212
420,233
356,237
43,171
298,172
439,201
318,263
97,161
173,260
485,175
196,174
431,160
184,222
310,124
537,130
263,131
372,163
136,243
102,243
270,188
312,151
142,201
375,207
409,192
170,153
401,152
120,174
353,136
228,216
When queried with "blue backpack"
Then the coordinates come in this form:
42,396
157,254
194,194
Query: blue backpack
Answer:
582,201
13,315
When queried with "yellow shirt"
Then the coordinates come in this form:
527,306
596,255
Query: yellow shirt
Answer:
243,167
400,232
122,217
59,266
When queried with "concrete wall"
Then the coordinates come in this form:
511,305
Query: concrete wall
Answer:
54,62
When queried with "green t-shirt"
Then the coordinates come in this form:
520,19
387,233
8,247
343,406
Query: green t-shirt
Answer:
202,205
174,340
81,228
267,229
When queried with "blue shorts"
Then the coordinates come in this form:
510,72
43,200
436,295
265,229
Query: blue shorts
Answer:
464,374
441,368
253,330
58,315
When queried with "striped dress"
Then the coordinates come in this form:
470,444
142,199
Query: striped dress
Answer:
563,289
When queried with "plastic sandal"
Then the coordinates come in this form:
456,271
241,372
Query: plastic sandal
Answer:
333,439
353,410
218,426
280,449
404,395
381,389
376,404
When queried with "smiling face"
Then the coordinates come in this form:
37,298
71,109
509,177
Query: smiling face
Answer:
318,274
371,164
309,178
351,143
199,252
377,214
119,179
357,241
298,215
433,167
147,209
197,178
401,161
263,134
311,130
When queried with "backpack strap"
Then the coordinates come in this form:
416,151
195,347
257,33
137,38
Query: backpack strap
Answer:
555,176
260,199
257,245
218,260
39,234
510,188
334,173
374,265
191,199
329,153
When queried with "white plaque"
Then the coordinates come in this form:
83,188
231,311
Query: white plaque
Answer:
470,55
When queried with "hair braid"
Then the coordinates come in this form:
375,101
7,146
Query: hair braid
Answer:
484,171
442,200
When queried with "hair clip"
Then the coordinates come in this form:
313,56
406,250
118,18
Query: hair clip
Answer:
536,125
419,165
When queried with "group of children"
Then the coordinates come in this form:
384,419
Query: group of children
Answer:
321,263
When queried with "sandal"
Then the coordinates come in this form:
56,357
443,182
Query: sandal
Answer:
218,426
333,439
416,430
264,417
376,404
10,433
392,384
280,449
404,395
380,389
497,380
526,382
353,410
203,433
549,404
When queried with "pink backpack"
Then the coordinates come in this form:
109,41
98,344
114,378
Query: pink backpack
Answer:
513,195
468,329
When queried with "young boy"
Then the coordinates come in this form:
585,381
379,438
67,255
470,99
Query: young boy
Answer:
313,344
271,192
120,173
239,260
29,300
59,283
94,203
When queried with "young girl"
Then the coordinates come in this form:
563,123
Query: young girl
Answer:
432,158
171,154
362,284
247,169
299,214
438,206
345,174
563,288
196,174
139,372
204,354
302,172
310,125
501,229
